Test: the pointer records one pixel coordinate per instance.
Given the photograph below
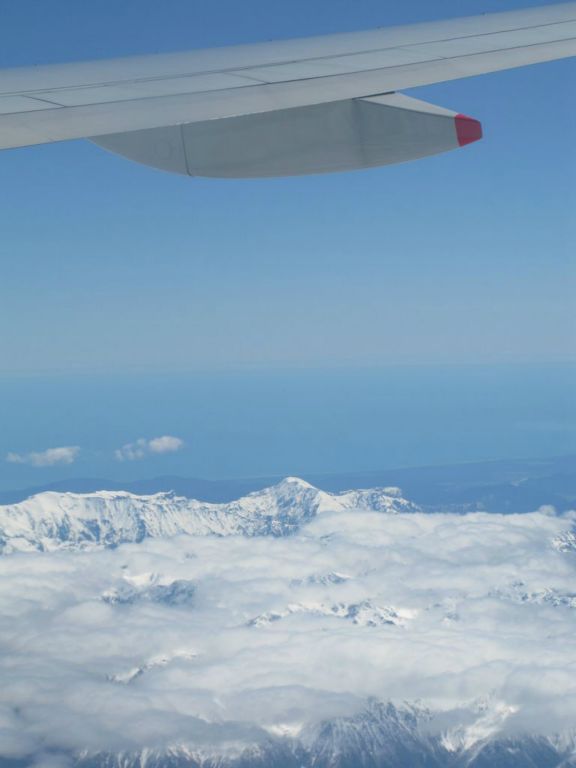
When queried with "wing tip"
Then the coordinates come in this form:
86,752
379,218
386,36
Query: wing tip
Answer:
468,130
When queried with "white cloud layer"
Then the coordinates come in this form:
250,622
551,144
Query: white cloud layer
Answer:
203,641
49,458
143,448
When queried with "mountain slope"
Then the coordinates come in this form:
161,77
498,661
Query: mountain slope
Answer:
52,521
382,736
291,628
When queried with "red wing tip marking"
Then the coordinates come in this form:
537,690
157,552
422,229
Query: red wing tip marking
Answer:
468,130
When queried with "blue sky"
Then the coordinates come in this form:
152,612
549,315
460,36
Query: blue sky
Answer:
114,269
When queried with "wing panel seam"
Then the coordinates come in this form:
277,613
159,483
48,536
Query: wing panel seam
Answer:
319,78
239,70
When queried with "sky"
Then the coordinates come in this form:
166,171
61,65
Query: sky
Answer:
112,269
299,422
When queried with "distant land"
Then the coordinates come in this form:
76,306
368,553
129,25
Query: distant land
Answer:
510,486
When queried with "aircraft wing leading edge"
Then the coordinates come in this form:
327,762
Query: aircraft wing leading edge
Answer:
159,109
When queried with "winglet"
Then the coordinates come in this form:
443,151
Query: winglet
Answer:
468,130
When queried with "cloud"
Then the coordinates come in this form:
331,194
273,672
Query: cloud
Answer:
166,444
448,610
49,458
143,448
133,451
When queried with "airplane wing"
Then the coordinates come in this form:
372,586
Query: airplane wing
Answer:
297,106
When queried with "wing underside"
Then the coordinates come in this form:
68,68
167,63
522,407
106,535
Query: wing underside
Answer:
95,99
323,138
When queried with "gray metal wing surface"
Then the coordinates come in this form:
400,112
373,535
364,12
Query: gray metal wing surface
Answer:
102,98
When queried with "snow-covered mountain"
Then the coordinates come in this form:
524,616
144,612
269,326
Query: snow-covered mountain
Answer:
151,588
363,614
381,736
51,521
292,628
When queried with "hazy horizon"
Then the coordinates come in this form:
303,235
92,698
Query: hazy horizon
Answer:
279,422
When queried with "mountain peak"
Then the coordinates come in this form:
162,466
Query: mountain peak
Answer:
295,482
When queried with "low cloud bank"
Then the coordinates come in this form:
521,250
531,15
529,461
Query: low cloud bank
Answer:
208,643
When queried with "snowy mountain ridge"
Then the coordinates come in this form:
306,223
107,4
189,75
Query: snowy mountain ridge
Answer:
51,521
381,736
289,629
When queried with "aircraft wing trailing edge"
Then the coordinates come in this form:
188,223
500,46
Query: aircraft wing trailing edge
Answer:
276,109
